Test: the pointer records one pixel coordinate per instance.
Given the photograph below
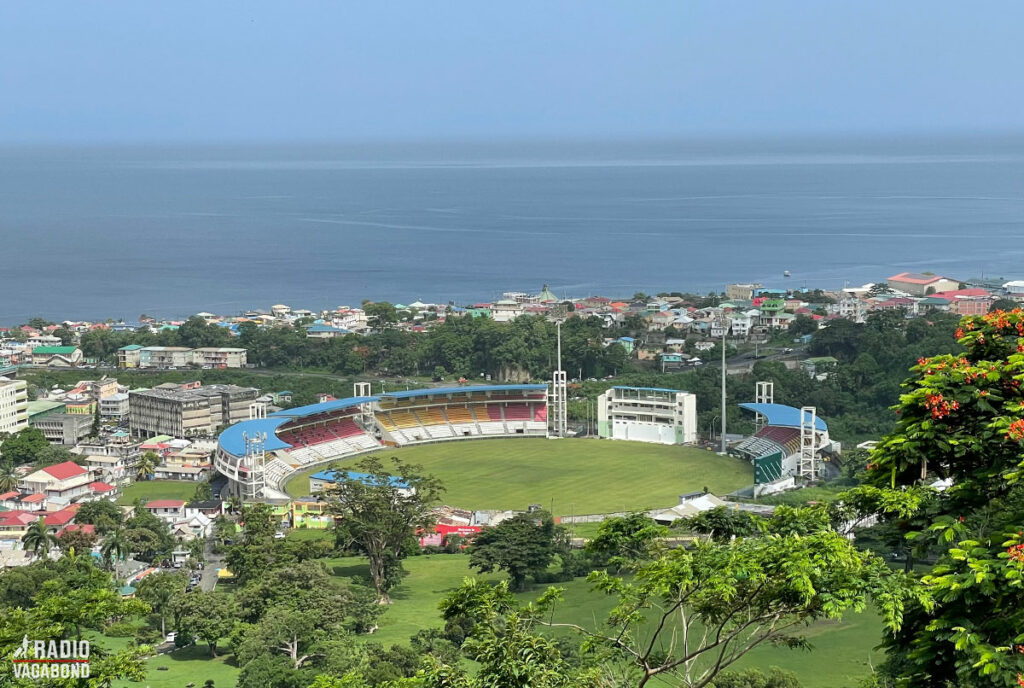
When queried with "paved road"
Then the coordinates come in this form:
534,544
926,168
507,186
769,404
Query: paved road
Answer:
208,578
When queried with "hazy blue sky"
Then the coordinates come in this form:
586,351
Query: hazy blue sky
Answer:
72,70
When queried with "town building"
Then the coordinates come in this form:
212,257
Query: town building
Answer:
917,284
219,357
115,406
129,356
188,412
13,405
56,356
647,414
63,428
65,480
167,509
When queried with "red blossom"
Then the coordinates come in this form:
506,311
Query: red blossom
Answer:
1016,431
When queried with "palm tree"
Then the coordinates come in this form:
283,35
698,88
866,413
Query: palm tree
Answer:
115,547
37,539
234,504
8,477
146,465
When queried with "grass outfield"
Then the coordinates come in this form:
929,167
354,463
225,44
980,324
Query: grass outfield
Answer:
568,475
157,489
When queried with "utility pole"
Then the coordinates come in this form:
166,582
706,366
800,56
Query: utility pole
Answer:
723,387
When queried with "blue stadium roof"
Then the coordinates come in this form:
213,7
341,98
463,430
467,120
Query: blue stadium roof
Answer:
782,415
231,439
334,476
462,390
323,407
649,389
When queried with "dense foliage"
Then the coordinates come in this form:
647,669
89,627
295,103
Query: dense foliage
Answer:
962,418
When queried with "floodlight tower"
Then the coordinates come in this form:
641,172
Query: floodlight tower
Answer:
558,404
364,389
807,464
764,394
724,324
253,463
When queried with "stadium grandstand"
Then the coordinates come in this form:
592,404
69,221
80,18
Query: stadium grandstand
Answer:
647,414
789,442
258,455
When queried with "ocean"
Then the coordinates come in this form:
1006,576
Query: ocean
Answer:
115,232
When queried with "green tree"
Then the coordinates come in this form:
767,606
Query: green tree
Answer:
208,616
104,515
146,465
21,447
380,315
8,477
1003,304
94,431
522,545
624,539
115,548
728,598
724,523
801,325
203,492
505,643
37,539
161,591
381,508
52,455
962,418
79,540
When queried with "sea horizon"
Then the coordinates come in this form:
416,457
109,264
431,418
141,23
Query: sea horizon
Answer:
96,232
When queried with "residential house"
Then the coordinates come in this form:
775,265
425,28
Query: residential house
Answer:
65,480
172,510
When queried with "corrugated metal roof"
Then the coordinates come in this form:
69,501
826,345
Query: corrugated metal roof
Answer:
782,415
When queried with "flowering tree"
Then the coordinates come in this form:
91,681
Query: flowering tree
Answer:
962,418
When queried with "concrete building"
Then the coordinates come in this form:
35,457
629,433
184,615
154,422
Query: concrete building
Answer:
740,291
165,357
506,310
917,284
64,428
115,406
647,414
228,403
13,405
178,413
219,357
196,412
56,356
129,356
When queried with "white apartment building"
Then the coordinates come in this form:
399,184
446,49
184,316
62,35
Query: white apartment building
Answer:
647,414
13,405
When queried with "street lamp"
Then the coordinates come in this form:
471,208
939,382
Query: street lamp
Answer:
711,429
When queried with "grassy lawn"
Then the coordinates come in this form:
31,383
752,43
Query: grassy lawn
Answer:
568,475
188,665
303,534
157,489
840,655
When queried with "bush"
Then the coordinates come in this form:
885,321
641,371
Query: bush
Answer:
148,636
121,629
